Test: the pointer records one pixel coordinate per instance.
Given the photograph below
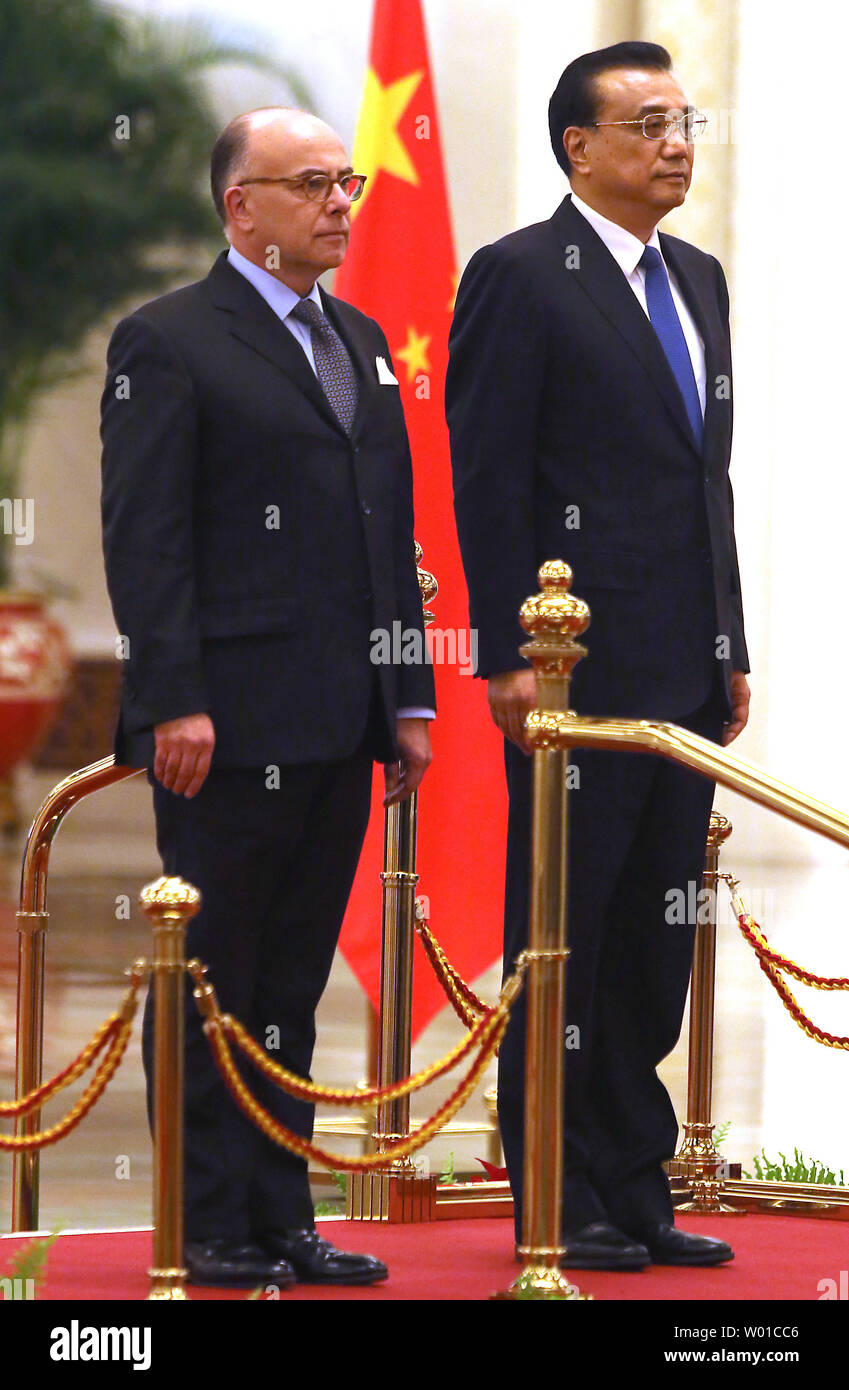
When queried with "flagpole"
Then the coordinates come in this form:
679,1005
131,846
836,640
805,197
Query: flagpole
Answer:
398,1194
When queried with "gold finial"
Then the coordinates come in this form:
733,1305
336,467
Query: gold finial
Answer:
170,897
554,612
554,618
427,585
719,830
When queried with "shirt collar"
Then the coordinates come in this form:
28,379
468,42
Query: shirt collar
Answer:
625,248
277,296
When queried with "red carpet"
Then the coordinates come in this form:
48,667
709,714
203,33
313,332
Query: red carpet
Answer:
777,1258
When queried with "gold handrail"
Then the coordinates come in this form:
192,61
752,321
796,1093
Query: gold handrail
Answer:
33,919
571,730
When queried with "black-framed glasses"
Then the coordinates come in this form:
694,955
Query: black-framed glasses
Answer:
660,125
316,188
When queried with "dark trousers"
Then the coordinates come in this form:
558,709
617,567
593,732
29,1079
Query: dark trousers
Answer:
275,867
637,832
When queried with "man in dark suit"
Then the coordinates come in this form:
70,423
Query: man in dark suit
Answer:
588,399
258,530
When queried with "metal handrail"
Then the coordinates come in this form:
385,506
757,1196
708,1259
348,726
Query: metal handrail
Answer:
33,919
691,750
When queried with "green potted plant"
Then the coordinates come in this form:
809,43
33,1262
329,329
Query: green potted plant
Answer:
107,126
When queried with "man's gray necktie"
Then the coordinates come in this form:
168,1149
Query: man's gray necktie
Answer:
333,365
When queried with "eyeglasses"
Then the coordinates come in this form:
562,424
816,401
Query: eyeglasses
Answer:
659,126
316,188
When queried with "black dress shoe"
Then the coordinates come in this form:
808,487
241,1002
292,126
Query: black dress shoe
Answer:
316,1261
234,1264
601,1246
669,1246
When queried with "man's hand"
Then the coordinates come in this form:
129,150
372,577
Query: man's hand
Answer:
512,695
183,753
740,697
402,778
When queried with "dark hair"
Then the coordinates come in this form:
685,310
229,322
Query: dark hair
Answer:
574,100
227,153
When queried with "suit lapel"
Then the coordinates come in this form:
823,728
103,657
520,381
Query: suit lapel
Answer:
256,325
601,278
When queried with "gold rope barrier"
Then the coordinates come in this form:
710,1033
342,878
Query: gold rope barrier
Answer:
466,1004
697,1163
113,1035
486,1035
772,963
328,1095
278,1132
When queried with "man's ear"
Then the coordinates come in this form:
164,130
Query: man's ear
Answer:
237,210
575,145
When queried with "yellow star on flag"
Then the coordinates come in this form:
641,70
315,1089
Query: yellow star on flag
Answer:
414,352
455,285
377,144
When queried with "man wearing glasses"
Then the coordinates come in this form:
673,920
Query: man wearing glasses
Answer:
258,526
588,399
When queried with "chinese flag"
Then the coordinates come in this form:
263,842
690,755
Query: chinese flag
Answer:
400,269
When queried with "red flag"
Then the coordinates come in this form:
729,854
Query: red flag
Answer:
400,269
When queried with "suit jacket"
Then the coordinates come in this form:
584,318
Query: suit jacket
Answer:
251,545
569,439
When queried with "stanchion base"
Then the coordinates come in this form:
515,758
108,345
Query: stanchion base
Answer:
706,1198
538,1282
397,1198
168,1285
707,1204
709,1207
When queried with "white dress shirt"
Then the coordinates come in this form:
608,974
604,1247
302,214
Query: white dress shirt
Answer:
282,301
627,249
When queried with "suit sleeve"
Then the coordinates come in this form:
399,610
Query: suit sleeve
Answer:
497,358
149,435
739,651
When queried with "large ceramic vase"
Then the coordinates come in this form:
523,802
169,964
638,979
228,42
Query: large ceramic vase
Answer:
35,666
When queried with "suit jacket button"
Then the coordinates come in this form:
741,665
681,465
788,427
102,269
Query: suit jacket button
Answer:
366,509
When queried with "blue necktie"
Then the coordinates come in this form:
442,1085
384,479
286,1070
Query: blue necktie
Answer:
667,326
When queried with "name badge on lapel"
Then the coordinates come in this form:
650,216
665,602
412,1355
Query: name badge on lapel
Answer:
384,375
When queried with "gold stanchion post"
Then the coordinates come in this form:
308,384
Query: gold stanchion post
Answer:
398,1194
697,1160
553,619
169,903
